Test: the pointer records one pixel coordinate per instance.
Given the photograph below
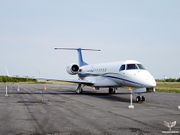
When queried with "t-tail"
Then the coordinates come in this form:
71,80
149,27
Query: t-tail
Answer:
80,57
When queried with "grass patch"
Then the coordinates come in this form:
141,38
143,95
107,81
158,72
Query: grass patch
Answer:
60,82
170,87
7,79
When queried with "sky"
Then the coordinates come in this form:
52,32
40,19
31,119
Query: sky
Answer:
147,31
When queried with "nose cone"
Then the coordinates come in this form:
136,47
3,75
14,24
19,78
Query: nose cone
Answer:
147,79
151,82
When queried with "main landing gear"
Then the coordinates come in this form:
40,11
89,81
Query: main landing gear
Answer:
112,90
140,99
79,89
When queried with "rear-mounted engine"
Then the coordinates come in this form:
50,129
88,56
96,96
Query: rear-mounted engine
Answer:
72,69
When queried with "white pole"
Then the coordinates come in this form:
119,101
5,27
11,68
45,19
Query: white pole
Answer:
6,91
45,88
42,96
18,89
131,106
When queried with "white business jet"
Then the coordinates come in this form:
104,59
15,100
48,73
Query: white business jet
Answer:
129,73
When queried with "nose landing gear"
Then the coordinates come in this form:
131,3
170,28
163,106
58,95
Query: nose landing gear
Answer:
112,90
140,99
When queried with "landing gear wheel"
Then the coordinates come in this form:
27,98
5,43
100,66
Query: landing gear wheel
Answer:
79,89
143,99
112,90
138,99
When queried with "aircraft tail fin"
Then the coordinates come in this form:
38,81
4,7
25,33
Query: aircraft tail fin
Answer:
79,50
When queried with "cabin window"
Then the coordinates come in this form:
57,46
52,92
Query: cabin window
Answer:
131,66
122,68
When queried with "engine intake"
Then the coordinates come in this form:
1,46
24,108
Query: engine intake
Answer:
72,69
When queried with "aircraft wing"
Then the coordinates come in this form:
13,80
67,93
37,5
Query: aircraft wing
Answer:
70,81
57,80
77,81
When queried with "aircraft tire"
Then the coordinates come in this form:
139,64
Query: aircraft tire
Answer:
112,91
138,99
143,98
79,91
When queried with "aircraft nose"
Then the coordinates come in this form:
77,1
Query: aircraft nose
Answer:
152,82
149,81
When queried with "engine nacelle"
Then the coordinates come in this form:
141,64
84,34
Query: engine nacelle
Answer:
72,69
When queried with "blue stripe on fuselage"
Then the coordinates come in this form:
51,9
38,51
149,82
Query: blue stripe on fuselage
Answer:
126,80
103,75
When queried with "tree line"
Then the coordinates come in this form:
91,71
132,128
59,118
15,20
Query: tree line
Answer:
16,79
169,80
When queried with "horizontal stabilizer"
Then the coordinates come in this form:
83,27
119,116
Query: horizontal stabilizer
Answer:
77,49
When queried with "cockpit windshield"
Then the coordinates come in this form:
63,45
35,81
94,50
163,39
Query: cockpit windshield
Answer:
141,66
131,67
122,67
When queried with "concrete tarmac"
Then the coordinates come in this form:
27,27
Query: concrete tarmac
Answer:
58,110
